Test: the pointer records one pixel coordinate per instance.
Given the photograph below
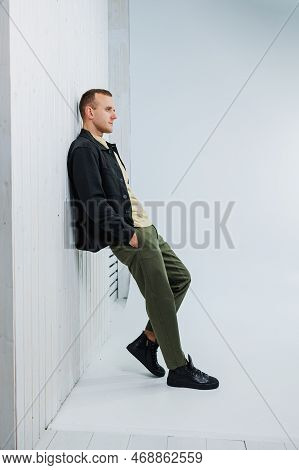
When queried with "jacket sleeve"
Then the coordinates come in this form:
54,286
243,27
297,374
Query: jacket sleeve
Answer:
86,177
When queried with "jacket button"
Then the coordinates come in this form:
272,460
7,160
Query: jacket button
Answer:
125,196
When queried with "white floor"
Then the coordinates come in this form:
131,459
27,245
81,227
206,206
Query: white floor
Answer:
124,441
119,404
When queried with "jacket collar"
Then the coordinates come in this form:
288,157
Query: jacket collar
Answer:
86,134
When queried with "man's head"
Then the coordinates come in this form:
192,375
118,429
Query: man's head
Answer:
97,111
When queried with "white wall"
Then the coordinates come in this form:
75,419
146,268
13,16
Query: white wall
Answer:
189,61
119,84
7,358
58,50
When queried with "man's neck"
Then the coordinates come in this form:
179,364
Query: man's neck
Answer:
93,131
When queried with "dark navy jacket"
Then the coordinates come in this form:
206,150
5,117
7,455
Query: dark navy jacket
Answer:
101,206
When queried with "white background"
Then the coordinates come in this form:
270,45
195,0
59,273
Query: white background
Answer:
189,60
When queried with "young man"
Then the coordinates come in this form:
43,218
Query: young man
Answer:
109,214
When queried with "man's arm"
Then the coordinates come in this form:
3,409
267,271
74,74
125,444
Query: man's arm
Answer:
87,181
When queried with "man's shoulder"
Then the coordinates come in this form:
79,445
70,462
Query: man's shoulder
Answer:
83,144
81,141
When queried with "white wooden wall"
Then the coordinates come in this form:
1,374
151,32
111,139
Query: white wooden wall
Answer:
58,50
7,356
119,82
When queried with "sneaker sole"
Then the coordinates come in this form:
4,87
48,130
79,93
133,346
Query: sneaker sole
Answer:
196,387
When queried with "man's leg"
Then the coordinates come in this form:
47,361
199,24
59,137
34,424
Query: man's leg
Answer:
147,266
178,276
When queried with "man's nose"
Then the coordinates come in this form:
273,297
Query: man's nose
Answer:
114,116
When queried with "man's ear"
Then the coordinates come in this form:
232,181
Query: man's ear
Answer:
89,112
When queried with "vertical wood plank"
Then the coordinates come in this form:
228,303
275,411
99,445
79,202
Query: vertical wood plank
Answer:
57,289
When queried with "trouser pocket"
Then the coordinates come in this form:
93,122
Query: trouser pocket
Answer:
156,230
148,245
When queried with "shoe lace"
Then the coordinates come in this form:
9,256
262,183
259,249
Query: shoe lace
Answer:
153,348
195,371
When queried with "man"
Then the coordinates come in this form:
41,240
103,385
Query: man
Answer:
108,213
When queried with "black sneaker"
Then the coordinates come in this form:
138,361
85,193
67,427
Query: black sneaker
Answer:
145,351
189,377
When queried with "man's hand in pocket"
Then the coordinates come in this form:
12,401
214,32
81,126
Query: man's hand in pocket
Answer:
134,241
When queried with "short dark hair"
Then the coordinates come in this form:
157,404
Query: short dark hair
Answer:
87,99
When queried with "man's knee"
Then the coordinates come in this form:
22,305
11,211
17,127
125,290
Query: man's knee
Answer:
188,277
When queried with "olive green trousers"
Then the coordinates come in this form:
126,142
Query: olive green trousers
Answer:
163,280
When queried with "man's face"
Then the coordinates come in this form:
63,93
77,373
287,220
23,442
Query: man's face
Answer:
104,113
